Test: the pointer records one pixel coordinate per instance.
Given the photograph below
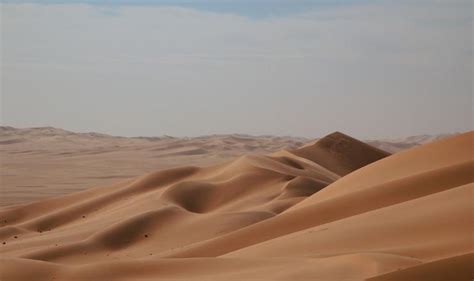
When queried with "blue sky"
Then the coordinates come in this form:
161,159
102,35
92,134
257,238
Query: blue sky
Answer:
247,8
367,68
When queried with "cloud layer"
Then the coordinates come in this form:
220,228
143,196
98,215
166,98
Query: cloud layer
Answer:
382,69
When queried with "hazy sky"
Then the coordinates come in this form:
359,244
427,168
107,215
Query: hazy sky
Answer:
187,68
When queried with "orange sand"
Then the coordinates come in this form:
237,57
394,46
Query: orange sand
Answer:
337,209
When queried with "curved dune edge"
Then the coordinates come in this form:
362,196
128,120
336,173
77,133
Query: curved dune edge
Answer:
337,209
452,268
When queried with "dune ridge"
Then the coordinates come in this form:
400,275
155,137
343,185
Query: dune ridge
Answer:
44,162
341,153
335,209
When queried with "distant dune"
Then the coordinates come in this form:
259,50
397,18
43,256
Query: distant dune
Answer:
39,163
335,209
340,153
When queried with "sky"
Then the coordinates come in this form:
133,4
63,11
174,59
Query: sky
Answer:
371,69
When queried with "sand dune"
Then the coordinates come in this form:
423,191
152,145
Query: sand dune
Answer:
335,209
340,153
39,163
452,268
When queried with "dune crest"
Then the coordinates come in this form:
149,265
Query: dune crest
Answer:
337,209
44,162
340,153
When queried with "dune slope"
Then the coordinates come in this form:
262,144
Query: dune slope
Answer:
337,209
44,162
340,153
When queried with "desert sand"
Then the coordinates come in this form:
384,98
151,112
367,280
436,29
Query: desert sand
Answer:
39,163
334,209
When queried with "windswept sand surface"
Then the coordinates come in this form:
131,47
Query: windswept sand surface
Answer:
336,209
38,163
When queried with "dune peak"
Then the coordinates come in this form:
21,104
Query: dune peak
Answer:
341,153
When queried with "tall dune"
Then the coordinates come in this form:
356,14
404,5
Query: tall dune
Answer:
340,153
337,209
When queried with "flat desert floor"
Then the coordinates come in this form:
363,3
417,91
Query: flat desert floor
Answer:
332,209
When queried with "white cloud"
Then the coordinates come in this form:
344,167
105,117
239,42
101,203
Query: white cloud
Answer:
367,69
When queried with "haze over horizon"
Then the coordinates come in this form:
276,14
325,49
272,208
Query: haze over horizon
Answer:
308,139
371,69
